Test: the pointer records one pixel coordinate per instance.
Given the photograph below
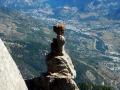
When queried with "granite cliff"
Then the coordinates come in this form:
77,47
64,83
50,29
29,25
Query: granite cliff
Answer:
10,76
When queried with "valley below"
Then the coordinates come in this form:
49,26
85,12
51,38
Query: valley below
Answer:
92,41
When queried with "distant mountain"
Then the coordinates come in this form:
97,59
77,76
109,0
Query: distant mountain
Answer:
105,8
20,4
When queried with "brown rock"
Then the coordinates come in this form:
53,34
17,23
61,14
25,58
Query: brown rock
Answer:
59,29
59,65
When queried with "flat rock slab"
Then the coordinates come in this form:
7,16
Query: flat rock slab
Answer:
10,76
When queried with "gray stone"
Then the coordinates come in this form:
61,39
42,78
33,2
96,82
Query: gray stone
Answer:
10,76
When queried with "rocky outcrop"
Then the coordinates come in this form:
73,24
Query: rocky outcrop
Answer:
60,69
10,77
45,83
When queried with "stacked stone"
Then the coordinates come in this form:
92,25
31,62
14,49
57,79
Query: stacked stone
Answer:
60,69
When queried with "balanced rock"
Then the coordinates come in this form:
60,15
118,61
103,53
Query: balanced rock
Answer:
10,77
60,73
60,69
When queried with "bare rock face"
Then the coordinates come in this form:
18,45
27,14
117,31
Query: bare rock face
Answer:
10,77
61,66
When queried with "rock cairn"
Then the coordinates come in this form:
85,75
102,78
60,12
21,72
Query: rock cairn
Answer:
60,69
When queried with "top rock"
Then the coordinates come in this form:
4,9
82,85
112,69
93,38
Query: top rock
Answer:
59,29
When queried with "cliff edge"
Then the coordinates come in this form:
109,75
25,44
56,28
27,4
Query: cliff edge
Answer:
10,76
